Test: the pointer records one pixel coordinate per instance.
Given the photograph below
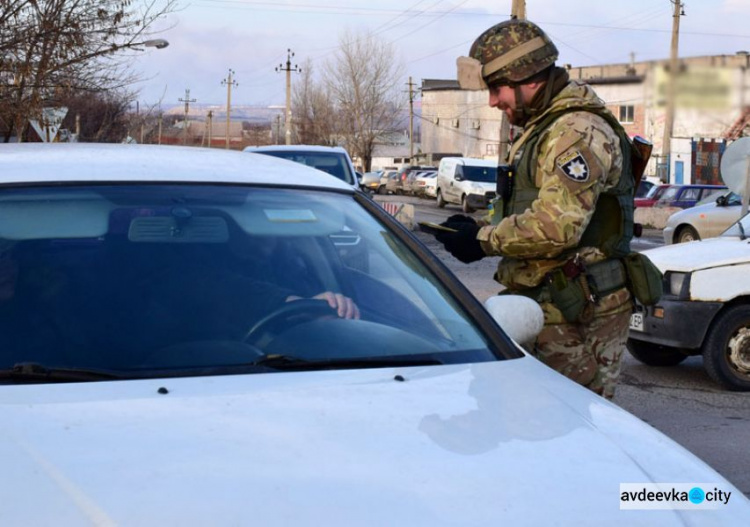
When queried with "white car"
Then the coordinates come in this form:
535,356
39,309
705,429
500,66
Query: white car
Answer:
706,220
163,363
426,184
334,160
705,310
466,181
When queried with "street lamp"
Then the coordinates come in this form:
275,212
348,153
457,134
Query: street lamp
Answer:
158,43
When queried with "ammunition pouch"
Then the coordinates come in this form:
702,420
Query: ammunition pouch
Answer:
645,281
574,289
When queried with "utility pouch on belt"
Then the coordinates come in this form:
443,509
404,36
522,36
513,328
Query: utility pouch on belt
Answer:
645,281
567,295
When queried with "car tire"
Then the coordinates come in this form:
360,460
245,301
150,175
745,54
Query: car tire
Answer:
440,200
655,354
726,351
687,234
382,190
465,205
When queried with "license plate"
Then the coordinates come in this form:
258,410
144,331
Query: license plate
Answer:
636,321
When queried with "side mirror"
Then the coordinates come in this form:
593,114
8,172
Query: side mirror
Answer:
520,317
722,201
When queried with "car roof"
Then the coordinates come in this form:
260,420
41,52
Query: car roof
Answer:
295,148
82,162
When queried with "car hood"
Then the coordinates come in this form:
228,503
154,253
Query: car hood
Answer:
466,444
697,255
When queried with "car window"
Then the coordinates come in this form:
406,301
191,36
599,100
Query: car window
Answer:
480,174
147,280
690,194
333,163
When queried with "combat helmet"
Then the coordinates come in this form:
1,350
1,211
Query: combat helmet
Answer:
511,52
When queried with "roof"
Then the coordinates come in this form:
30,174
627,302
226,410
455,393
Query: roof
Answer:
295,148
82,162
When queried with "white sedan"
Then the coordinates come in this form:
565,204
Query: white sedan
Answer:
187,339
706,220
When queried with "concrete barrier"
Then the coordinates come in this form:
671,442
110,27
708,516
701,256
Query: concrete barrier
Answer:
654,217
403,212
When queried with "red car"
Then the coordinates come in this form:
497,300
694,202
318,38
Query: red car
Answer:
652,197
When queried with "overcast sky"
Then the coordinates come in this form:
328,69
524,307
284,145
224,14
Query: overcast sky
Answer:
251,37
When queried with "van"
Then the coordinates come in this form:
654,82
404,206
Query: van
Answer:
467,182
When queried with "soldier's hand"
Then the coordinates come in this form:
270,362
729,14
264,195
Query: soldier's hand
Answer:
463,243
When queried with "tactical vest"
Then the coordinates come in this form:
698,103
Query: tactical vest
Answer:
611,226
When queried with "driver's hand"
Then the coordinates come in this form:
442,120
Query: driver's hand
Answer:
344,306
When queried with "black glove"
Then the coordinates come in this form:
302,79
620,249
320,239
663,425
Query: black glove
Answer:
460,218
463,243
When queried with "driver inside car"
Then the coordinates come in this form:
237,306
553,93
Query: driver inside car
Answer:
202,298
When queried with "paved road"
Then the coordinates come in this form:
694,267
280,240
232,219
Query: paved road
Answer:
680,401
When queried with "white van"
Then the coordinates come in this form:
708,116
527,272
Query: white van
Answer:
467,182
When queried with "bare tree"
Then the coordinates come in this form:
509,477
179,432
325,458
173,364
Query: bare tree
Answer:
364,80
315,114
52,48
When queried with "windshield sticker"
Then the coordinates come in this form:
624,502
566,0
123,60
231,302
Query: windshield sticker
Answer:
290,215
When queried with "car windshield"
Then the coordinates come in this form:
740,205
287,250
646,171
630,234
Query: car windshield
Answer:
670,193
152,280
480,174
334,163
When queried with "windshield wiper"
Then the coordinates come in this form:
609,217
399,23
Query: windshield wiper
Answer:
742,230
33,372
288,362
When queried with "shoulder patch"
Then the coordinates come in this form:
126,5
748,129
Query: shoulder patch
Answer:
574,166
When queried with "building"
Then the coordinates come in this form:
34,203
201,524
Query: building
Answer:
712,108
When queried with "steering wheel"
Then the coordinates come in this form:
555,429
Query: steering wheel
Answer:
281,318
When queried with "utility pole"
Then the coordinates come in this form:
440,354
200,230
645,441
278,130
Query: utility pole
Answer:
160,120
187,100
411,120
210,127
288,70
672,85
229,83
517,11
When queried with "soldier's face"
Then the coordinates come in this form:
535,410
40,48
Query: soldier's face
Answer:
504,99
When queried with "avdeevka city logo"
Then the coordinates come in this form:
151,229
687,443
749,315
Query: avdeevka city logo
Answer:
697,495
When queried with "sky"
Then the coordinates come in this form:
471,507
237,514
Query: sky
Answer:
251,37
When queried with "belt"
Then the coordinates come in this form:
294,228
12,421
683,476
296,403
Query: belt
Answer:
603,278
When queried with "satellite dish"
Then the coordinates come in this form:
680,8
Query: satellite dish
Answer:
735,165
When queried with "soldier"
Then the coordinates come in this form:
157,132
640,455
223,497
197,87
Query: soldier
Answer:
564,214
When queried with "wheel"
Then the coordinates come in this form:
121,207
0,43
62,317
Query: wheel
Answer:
465,205
726,351
655,354
287,315
382,190
687,234
440,200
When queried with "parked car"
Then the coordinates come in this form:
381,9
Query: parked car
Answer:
140,386
426,184
334,160
705,310
392,186
703,221
686,196
653,195
407,177
371,181
466,181
644,186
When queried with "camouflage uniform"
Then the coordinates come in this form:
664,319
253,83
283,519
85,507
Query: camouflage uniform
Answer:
568,157
578,157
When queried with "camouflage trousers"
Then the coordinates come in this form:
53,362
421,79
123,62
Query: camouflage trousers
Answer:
589,354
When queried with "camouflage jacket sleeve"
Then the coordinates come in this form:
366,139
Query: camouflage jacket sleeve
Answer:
579,156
